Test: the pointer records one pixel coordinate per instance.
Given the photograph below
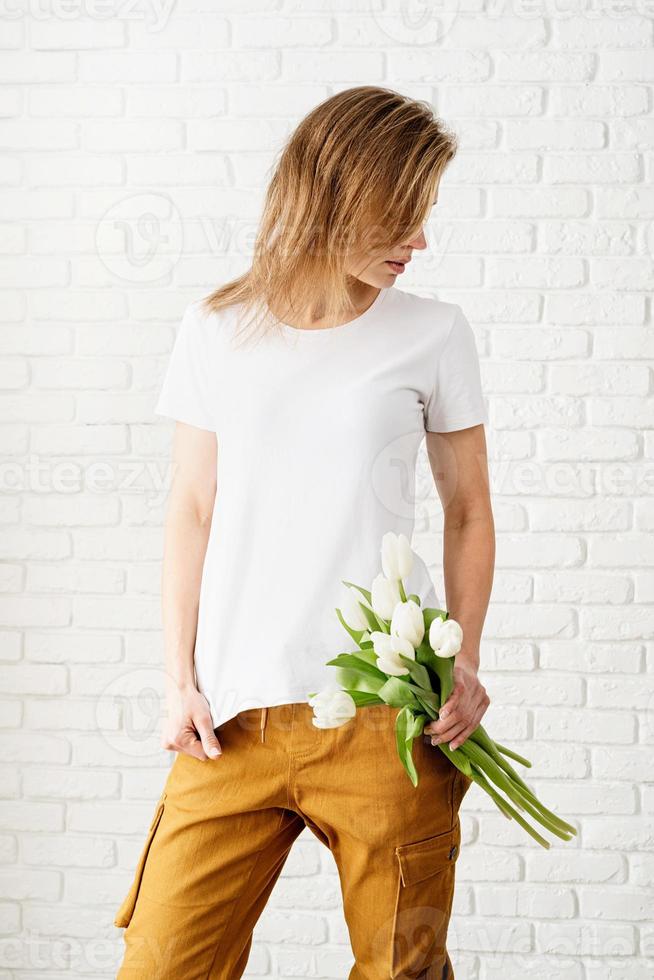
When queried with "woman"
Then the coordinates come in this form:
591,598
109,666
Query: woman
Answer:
294,452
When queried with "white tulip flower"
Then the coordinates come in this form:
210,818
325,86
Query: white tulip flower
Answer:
407,621
332,708
351,610
396,556
385,595
445,637
387,647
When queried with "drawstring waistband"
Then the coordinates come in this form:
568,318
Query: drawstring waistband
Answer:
264,715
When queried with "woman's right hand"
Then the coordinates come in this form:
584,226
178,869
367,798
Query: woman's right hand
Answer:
188,726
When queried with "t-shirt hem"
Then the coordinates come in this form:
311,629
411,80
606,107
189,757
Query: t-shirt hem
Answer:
187,419
464,422
288,697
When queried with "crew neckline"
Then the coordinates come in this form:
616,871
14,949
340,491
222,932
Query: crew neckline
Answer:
340,327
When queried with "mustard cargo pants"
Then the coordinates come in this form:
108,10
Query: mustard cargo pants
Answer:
222,830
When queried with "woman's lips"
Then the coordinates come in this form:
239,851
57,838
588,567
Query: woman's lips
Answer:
396,266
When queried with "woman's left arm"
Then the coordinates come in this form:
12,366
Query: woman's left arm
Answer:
459,464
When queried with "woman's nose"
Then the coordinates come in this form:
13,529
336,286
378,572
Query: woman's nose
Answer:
418,242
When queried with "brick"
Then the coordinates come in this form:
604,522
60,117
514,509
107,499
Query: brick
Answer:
541,235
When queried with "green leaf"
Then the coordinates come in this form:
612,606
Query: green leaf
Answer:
404,726
355,634
429,703
363,700
356,680
419,722
358,661
426,656
418,673
398,694
440,670
375,622
429,615
447,677
429,695
359,666
367,654
364,592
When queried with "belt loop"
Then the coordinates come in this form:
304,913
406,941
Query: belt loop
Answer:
264,714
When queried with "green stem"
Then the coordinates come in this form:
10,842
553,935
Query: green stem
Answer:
525,790
481,736
547,818
444,670
513,755
508,768
483,739
507,807
516,794
402,592
484,761
457,758
478,776
552,817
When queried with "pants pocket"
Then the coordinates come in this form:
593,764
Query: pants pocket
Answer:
425,889
126,910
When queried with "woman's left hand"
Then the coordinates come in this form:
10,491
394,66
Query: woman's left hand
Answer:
463,710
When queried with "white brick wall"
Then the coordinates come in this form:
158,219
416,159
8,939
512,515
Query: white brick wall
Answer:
137,140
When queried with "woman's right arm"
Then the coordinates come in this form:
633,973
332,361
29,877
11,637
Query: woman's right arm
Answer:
186,533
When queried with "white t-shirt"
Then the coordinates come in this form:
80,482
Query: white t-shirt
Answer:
318,433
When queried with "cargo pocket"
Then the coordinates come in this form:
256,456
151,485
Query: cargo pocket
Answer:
124,914
425,889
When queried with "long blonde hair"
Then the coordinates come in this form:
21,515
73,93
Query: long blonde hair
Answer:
357,174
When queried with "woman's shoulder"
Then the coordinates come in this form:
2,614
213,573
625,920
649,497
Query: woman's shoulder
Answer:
200,311
427,313
209,325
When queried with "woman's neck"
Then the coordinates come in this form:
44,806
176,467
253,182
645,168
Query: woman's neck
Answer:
362,295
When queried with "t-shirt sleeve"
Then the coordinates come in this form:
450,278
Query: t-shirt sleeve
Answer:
456,399
185,393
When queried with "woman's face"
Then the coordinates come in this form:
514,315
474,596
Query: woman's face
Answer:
382,271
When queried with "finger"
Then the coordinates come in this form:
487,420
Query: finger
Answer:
461,737
448,713
210,743
452,703
454,714
470,728
449,734
188,743
193,748
445,730
480,708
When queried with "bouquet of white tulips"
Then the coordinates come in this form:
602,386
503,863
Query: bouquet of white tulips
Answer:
405,659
